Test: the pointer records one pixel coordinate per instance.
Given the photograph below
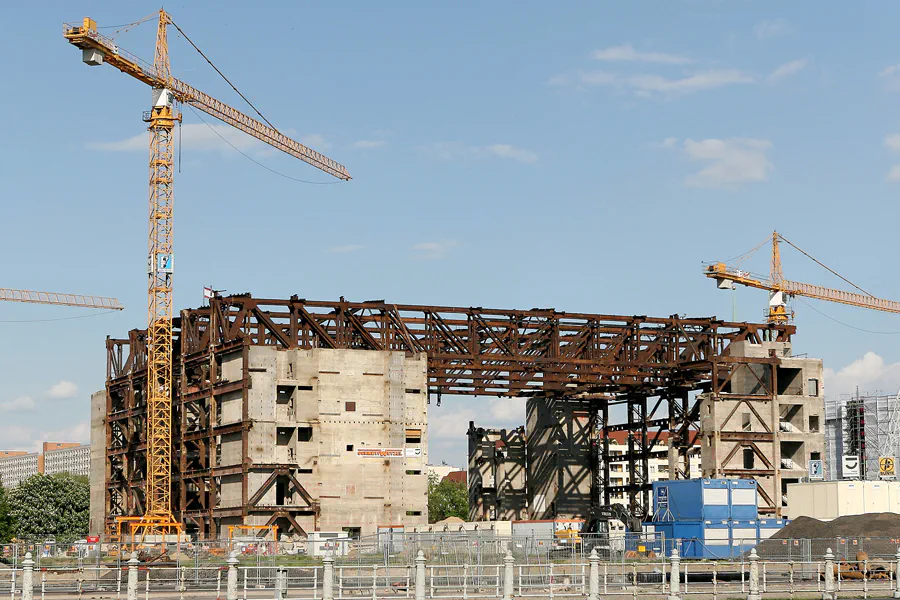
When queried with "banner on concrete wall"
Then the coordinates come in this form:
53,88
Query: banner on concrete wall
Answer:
380,452
886,468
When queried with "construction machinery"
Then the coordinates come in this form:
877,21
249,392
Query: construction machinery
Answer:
781,289
167,93
59,299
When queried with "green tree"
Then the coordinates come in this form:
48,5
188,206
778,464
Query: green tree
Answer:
446,499
50,504
6,523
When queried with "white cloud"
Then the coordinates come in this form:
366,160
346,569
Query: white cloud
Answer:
509,151
892,142
196,137
729,162
344,249
626,52
669,142
769,29
315,141
869,373
30,439
63,389
452,150
893,174
888,71
433,250
22,403
646,85
788,69
451,423
367,144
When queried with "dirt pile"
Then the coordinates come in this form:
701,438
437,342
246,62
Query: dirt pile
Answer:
875,533
875,525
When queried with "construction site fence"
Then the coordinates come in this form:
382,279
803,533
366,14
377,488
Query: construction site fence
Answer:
450,548
725,579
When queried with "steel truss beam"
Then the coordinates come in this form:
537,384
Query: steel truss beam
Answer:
634,360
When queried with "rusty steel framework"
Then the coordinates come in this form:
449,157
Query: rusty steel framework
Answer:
650,364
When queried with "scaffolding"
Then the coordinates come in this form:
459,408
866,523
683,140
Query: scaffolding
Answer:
866,426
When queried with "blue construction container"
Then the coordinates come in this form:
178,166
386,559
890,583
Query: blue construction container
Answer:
691,500
742,497
768,527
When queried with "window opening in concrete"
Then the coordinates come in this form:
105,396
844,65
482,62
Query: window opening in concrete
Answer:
349,447
745,422
353,533
413,436
280,492
413,472
304,471
350,406
284,435
413,513
413,391
812,387
304,388
791,417
815,456
749,458
813,423
304,434
789,381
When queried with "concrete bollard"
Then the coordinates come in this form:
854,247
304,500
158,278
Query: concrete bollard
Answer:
754,576
828,594
231,589
132,584
897,574
328,578
674,576
281,587
27,577
594,580
420,575
509,574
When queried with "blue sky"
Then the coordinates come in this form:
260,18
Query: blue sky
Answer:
585,157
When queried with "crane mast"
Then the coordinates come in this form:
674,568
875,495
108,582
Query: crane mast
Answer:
161,119
167,92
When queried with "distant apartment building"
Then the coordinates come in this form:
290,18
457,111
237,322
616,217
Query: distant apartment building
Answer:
72,458
55,457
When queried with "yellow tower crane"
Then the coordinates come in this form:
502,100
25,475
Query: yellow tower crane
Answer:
781,289
167,93
32,297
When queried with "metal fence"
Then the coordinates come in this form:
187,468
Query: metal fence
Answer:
673,578
443,548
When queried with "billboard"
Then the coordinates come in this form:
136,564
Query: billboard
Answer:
850,467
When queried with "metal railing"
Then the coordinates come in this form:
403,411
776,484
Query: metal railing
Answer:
752,577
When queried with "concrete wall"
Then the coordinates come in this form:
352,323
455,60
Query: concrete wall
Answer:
98,463
349,424
829,500
497,476
741,435
559,458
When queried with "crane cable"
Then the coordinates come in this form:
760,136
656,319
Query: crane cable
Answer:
845,324
174,24
250,158
830,270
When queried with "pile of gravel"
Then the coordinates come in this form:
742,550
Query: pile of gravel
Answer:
872,525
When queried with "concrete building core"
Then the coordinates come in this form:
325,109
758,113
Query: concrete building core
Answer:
497,478
348,427
764,419
317,440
